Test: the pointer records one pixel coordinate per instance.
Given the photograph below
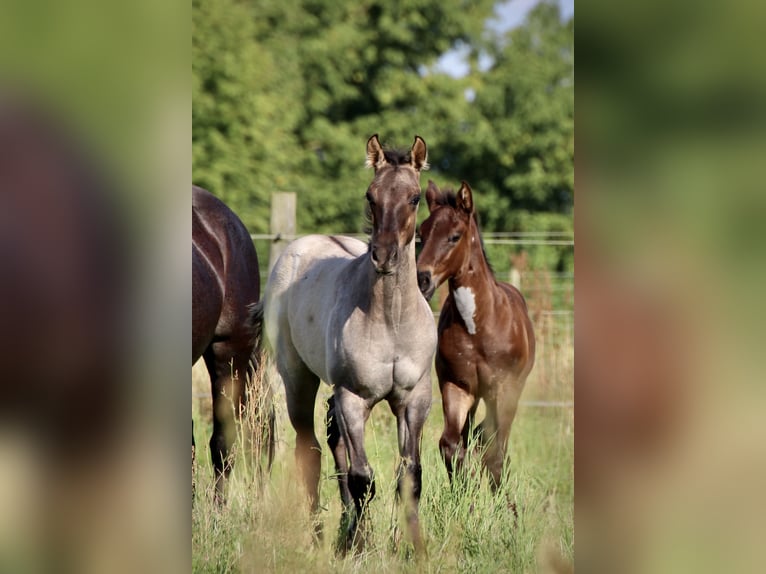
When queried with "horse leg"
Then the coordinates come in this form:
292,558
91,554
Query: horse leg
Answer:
410,421
271,434
466,434
501,410
456,404
300,389
339,453
227,379
351,413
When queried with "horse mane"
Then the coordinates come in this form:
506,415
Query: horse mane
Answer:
397,157
448,197
367,228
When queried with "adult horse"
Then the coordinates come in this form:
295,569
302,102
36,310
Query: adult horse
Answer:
486,342
225,280
350,313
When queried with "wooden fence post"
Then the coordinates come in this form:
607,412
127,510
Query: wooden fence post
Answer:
282,223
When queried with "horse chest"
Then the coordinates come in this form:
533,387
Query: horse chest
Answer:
469,339
376,360
465,303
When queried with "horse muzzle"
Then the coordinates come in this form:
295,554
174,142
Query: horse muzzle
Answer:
384,259
426,284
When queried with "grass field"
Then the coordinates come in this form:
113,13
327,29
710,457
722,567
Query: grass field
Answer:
526,527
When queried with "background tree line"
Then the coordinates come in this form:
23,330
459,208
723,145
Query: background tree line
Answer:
286,93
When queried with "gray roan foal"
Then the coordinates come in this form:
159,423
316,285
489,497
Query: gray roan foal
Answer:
351,314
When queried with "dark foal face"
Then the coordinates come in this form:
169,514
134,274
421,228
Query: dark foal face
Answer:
393,198
445,237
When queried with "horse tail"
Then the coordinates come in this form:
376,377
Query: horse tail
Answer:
255,324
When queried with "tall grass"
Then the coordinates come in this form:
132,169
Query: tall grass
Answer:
527,526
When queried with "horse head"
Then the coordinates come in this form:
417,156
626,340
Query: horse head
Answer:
445,236
392,200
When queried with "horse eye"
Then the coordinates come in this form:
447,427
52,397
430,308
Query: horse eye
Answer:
454,238
415,200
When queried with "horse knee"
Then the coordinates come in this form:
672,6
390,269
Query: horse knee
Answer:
307,450
309,461
219,452
448,449
333,430
494,465
479,434
417,480
413,472
362,487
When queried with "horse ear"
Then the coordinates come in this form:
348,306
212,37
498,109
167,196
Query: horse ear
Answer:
432,195
465,198
375,156
419,154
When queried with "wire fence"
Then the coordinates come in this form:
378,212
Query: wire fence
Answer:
526,259
551,382
551,238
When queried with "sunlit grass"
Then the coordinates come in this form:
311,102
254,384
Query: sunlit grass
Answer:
526,527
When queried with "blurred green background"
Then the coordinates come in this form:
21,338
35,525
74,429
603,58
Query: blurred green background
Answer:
285,95
670,230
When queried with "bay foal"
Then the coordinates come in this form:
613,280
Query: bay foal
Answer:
486,343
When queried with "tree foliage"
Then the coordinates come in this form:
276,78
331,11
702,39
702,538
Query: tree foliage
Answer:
516,144
287,93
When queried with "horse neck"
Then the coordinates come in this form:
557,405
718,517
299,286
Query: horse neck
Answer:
394,296
475,273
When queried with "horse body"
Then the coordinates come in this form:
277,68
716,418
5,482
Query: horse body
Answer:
351,314
225,280
486,343
367,332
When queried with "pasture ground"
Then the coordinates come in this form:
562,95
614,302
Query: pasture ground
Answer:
526,527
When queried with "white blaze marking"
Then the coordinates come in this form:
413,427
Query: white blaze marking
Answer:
466,306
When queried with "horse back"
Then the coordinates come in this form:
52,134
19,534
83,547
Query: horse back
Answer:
225,273
302,293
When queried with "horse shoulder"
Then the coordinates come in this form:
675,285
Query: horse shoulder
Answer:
421,335
456,345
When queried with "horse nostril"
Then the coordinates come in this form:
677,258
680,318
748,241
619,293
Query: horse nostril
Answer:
393,258
424,280
374,253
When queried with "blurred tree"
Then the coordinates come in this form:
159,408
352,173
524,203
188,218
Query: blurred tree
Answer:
246,109
287,93
517,143
363,66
